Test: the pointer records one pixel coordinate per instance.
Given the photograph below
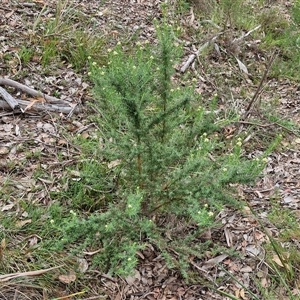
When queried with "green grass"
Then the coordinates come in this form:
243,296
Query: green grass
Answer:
60,39
25,54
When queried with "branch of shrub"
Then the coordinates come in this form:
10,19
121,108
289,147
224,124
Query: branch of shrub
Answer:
259,88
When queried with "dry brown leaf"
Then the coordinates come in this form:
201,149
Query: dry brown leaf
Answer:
264,282
93,252
4,150
114,163
7,127
246,210
131,279
228,236
85,135
296,141
30,105
242,66
2,247
246,269
21,223
62,142
8,15
75,174
7,207
181,291
252,250
34,240
289,199
192,17
259,236
3,243
279,262
37,99
259,194
214,261
118,296
67,278
242,294
83,265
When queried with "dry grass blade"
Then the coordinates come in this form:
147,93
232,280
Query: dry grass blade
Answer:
10,276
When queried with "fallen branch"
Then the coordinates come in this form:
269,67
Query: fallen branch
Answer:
51,104
30,91
38,106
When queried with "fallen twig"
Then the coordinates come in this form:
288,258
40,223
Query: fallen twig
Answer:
268,125
10,276
194,55
237,40
259,88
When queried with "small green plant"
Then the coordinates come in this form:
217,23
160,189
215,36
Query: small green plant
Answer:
273,22
235,14
25,54
285,36
77,48
164,156
202,6
181,7
281,256
49,51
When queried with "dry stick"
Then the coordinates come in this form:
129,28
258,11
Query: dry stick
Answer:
259,88
194,55
268,125
30,91
10,276
12,102
237,40
212,40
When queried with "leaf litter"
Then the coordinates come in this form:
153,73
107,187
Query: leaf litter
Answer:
44,133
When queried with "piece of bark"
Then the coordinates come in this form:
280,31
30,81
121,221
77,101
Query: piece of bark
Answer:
30,91
12,102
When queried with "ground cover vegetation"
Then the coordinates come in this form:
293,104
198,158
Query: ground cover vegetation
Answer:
166,160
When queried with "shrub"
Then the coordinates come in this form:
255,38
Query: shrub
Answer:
164,153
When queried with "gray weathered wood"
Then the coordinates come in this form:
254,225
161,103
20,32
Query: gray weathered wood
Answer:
12,102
